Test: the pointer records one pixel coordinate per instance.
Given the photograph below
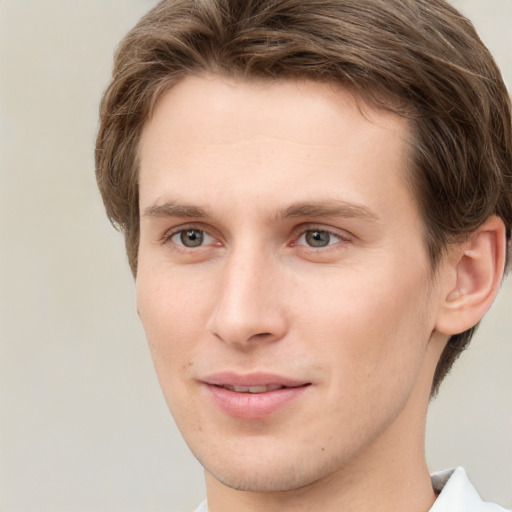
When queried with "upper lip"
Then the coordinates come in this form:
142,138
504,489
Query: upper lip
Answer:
229,378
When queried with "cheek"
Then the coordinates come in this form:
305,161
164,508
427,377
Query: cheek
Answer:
170,305
171,325
374,326
371,340
169,322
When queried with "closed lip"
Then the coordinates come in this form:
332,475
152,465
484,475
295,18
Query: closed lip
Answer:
254,379
253,396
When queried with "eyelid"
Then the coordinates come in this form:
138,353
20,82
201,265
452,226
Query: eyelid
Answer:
169,233
301,230
297,232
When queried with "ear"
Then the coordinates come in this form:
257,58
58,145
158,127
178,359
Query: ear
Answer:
472,272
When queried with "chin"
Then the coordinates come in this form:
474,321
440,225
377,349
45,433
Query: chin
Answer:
269,479
269,472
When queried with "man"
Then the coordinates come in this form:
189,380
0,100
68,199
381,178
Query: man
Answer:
317,202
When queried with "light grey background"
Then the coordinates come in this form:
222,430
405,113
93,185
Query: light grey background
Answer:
83,426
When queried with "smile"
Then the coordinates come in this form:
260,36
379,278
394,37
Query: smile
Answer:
252,397
252,389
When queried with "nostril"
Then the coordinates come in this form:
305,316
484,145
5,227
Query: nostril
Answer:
262,335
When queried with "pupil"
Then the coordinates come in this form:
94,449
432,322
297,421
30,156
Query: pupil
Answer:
318,238
192,238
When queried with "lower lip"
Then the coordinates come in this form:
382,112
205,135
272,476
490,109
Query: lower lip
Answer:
253,406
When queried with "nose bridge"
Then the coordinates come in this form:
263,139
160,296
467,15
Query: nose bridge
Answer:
248,309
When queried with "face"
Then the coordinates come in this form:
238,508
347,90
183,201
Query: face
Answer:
283,281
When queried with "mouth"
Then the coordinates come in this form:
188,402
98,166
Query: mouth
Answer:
254,389
253,396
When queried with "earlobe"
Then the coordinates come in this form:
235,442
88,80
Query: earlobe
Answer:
473,277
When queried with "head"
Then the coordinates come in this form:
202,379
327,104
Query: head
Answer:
415,70
419,59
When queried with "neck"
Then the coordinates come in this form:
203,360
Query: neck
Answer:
401,492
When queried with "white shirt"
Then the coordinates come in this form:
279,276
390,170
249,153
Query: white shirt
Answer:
457,494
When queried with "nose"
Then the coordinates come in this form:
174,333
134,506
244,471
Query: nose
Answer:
248,311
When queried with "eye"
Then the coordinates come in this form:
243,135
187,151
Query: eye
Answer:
191,238
318,238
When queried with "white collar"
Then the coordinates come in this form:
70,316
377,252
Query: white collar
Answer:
457,494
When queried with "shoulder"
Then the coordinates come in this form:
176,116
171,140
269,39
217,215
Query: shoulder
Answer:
457,494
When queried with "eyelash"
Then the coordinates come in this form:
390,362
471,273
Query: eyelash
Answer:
168,236
298,233
303,233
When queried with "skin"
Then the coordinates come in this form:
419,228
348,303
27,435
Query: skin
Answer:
255,168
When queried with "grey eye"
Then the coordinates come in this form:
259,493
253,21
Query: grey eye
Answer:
191,237
317,238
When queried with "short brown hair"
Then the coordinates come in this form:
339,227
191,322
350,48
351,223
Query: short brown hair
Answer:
419,58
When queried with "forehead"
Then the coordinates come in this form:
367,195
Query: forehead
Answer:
239,140
221,109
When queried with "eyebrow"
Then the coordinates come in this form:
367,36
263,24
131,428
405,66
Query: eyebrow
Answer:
329,208
173,209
